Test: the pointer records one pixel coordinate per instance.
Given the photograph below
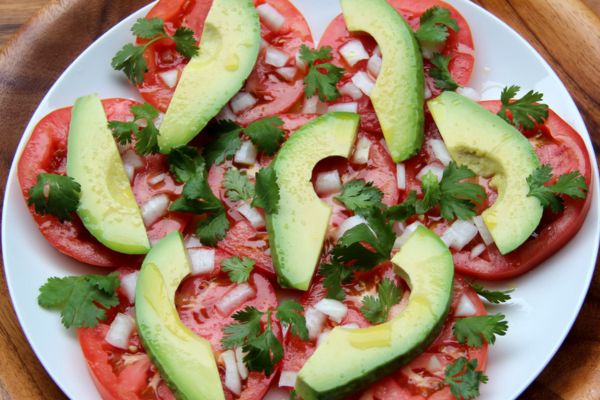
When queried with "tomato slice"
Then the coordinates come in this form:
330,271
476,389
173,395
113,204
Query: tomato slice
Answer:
274,93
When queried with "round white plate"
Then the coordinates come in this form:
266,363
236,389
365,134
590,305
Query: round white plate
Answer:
544,304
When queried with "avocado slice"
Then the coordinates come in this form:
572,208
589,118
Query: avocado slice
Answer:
490,146
107,207
298,229
399,90
228,51
349,360
185,360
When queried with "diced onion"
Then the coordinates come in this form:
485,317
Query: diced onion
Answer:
427,53
159,120
270,17
477,250
226,114
252,215
427,92
192,241
277,394
344,107
239,358
275,57
242,101
287,73
433,365
155,180
349,223
235,298
128,284
131,158
170,77
402,239
328,182
469,92
353,52
350,89
401,176
246,154
202,260
288,379
314,322
484,232
232,376
398,228
440,151
459,234
129,171
334,309
155,208
434,168
322,337
377,51
300,62
363,82
120,330
465,307
362,150
310,105
374,65
351,325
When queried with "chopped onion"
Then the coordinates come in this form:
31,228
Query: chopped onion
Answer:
155,208
155,180
119,331
275,57
350,89
226,114
363,82
242,101
469,92
401,176
334,309
277,394
170,77
287,73
159,120
128,284
427,92
232,376
252,215
377,51
350,223
353,52
362,150
328,182
239,358
343,107
235,298
310,105
402,239
322,337
440,151
202,260
427,53
314,322
433,365
131,158
465,307
288,379
129,171
374,65
350,326
246,154
192,241
398,228
459,234
484,232
300,62
477,250
436,169
270,17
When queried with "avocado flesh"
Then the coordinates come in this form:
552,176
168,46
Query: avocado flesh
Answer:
399,89
490,146
107,206
297,231
349,360
228,51
185,360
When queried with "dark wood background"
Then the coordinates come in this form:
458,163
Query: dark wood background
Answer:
566,32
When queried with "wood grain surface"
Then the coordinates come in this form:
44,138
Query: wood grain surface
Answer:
566,32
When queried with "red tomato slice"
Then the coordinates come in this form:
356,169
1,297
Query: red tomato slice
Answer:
274,93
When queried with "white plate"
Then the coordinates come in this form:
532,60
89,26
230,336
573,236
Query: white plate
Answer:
544,305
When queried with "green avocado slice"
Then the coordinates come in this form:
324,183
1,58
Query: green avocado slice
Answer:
490,146
107,206
228,51
399,90
184,359
351,359
298,229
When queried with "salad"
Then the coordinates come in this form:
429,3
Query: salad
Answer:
283,221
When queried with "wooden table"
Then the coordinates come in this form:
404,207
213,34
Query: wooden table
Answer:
566,32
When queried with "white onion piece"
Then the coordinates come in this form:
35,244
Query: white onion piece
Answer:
362,150
465,307
353,52
374,65
344,107
155,180
155,208
328,182
159,120
129,171
469,92
130,157
322,337
350,89
225,114
484,232
433,365
192,241
235,298
334,309
459,234
350,326
400,240
128,284
202,261
363,82
275,57
288,379
314,322
350,223
277,394
310,105
242,101
401,175
377,51
436,169
246,154
239,358
300,62
398,228
427,92
270,17
232,376
287,73
120,330
252,215
170,77
427,53
440,151
477,250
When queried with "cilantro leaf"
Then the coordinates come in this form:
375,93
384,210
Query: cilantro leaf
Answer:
237,185
55,194
264,352
289,313
335,274
525,111
227,141
213,229
571,184
376,310
82,300
247,327
463,378
457,198
148,28
474,330
321,78
441,75
266,134
123,131
184,162
267,190
434,26
185,43
142,127
238,269
358,194
130,60
147,140
493,296
401,212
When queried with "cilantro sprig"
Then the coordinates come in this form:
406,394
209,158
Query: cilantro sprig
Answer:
571,185
376,309
526,111
55,194
238,269
237,186
360,195
267,190
475,330
142,127
322,77
464,379
441,74
266,134
130,59
434,24
492,296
